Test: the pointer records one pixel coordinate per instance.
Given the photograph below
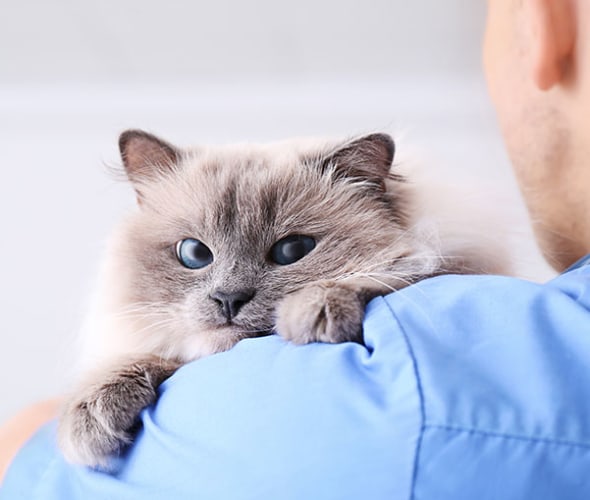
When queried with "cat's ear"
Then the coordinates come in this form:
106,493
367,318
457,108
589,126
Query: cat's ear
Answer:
365,158
145,156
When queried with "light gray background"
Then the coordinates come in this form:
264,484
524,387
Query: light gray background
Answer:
74,74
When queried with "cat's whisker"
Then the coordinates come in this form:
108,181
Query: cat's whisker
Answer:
156,325
138,316
388,276
396,277
391,288
414,283
145,310
141,311
389,265
144,305
385,274
141,307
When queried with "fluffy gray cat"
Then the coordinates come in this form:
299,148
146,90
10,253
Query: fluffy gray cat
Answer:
243,241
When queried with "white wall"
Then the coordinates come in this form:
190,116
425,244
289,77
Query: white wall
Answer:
61,40
74,74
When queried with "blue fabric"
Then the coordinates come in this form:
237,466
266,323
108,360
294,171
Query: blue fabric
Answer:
469,387
584,261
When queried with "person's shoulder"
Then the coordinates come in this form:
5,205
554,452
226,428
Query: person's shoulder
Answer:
496,355
491,302
461,311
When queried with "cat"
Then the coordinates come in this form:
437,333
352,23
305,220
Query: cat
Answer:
243,241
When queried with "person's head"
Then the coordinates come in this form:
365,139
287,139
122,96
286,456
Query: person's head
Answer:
537,62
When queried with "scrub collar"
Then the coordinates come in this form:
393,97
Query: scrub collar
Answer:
584,261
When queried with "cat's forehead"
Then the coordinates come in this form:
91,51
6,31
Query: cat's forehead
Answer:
236,171
251,170
242,187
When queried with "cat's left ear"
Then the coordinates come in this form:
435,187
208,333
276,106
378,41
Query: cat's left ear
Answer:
145,156
365,158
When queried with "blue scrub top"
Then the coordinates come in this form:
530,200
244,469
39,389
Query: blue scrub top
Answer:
467,387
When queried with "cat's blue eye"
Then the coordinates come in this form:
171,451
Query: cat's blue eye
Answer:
291,249
193,254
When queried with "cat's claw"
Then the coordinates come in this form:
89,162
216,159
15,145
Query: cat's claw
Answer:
324,311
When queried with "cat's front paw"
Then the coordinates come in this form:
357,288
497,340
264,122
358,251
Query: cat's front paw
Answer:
99,422
325,311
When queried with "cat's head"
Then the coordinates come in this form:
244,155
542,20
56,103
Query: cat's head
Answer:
222,234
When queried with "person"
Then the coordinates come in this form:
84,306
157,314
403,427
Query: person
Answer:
466,387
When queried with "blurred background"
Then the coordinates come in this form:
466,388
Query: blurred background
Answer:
74,74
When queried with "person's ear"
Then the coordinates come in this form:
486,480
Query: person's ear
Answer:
553,40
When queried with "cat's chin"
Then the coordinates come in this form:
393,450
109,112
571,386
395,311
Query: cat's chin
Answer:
216,339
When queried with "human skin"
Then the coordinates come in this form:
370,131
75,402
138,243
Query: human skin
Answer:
21,427
538,71
537,63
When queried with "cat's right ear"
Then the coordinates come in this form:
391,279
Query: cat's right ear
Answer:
146,157
367,158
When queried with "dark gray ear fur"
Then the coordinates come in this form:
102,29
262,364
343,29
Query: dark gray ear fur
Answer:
366,158
145,156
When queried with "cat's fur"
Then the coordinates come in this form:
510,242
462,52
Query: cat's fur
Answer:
152,314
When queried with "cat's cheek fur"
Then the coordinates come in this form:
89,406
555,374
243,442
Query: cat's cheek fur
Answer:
324,311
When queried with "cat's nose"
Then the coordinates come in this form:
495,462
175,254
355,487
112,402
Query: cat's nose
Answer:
232,302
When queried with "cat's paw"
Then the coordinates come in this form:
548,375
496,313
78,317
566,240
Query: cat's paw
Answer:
325,311
99,421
